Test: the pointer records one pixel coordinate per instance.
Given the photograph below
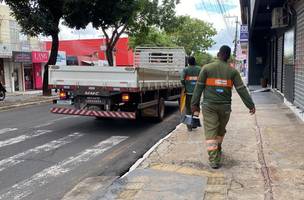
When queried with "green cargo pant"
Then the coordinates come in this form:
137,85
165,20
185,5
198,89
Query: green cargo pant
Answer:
216,117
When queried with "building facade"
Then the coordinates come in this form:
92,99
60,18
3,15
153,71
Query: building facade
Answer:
17,72
90,51
276,46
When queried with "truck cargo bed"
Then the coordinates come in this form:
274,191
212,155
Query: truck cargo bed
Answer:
139,78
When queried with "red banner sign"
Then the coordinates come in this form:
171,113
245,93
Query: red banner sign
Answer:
40,57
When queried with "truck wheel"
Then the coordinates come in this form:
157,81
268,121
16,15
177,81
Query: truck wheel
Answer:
161,109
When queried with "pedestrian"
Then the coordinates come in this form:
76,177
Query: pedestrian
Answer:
216,81
189,78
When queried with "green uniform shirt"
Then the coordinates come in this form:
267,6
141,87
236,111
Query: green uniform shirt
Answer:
216,81
189,78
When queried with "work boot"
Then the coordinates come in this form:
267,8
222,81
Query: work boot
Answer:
214,165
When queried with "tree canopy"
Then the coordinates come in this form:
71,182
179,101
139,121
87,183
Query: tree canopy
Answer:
153,38
193,34
115,18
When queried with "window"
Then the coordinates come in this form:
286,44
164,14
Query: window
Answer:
289,47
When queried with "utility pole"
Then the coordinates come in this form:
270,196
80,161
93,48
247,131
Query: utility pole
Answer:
235,41
236,36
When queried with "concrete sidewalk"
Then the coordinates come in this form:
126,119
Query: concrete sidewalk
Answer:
21,99
263,159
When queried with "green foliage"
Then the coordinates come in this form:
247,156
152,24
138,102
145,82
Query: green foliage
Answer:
203,58
194,35
134,17
37,16
154,38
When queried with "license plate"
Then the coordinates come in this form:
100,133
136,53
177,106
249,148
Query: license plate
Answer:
64,102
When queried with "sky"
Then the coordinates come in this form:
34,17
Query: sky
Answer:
207,10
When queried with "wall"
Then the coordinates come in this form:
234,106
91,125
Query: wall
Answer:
4,20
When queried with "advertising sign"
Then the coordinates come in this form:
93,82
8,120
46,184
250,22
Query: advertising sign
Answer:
22,57
40,57
244,35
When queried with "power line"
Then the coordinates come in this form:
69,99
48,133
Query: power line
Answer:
223,12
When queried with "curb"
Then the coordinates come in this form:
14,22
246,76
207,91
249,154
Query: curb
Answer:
97,193
21,105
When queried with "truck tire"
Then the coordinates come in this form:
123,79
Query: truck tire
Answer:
161,109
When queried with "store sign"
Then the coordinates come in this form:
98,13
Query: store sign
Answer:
244,35
40,57
22,57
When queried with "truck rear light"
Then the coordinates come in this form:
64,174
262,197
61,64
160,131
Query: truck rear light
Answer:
62,95
125,97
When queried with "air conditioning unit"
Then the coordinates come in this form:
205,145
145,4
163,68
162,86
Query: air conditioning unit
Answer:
279,18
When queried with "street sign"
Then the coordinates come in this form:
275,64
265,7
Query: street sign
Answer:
244,35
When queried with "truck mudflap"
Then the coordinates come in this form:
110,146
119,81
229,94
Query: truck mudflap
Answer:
92,113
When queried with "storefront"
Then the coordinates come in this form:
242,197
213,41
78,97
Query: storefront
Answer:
23,71
38,59
278,34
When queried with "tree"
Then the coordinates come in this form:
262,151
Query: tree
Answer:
154,38
40,17
194,35
115,18
203,58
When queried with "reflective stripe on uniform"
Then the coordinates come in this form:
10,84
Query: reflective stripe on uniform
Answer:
191,78
212,145
219,82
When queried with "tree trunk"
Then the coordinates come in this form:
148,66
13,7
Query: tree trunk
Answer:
109,53
52,61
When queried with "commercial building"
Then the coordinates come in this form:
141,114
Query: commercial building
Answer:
276,46
92,51
17,70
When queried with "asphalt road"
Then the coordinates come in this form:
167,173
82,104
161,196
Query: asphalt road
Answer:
43,156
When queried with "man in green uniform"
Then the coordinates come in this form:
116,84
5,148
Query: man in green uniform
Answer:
189,78
216,81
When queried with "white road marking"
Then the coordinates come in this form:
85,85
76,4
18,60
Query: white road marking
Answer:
5,130
21,157
23,138
28,186
53,121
